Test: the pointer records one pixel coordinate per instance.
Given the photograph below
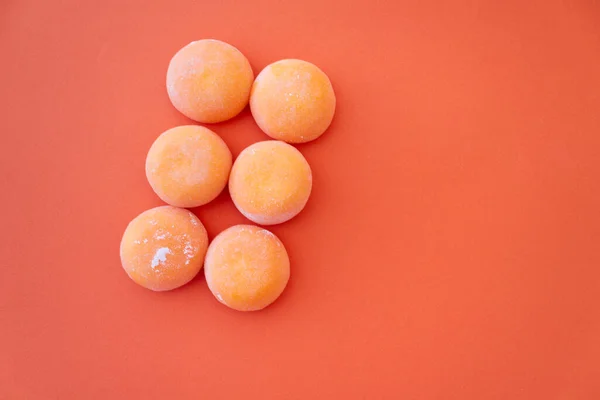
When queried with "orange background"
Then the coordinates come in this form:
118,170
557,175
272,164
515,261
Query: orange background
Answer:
450,249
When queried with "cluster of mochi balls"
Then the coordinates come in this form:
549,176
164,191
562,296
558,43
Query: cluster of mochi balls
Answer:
246,266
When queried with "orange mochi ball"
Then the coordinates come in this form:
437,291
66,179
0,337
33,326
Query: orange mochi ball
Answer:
246,267
293,101
163,248
270,182
209,81
188,166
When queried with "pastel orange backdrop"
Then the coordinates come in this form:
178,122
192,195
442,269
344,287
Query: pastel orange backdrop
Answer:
450,249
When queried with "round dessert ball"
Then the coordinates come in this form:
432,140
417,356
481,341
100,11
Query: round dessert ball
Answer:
163,248
270,182
209,81
293,101
188,166
246,267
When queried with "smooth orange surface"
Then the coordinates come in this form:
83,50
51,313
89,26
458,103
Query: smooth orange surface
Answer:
449,249
163,248
188,166
247,267
270,182
293,101
209,81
